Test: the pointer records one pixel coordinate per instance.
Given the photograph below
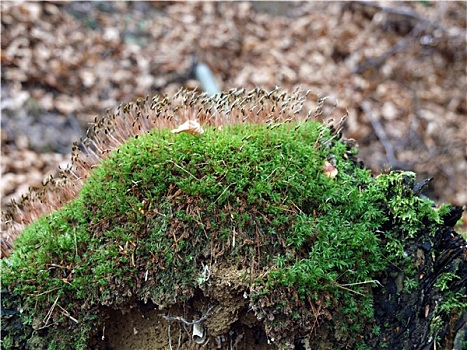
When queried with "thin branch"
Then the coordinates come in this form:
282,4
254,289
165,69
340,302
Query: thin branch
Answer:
348,289
49,291
49,313
46,326
186,171
67,314
400,46
401,11
380,133
225,190
345,285
364,282
422,25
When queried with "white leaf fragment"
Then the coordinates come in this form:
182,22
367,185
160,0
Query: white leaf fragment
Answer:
190,126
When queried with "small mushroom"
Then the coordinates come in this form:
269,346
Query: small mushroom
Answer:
330,170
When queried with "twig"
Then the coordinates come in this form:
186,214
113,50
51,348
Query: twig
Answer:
46,326
347,289
400,11
401,45
76,244
186,171
380,133
67,314
49,313
422,24
364,282
49,291
225,190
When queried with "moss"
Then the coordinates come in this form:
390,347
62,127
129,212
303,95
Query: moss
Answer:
162,206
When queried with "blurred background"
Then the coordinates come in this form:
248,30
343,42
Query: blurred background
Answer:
398,68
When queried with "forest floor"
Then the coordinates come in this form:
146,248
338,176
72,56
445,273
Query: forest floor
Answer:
398,68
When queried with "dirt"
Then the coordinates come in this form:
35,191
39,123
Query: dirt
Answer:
228,323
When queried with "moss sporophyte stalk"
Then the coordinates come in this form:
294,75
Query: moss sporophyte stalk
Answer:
144,214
